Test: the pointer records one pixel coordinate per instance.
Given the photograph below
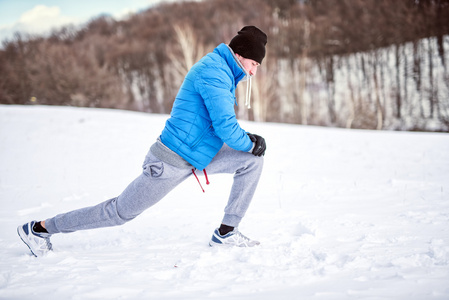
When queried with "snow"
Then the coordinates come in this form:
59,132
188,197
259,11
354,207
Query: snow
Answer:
340,214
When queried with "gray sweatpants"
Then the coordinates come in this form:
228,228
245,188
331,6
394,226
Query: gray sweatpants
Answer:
156,181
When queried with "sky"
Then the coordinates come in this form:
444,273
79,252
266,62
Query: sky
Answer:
39,17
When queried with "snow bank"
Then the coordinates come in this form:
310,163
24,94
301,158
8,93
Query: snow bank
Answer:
341,214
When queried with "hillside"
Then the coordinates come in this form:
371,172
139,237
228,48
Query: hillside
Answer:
367,64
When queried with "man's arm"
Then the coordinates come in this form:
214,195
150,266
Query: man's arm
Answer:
215,90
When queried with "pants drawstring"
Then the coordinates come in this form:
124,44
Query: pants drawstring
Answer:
205,175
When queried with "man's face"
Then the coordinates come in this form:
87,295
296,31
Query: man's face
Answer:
249,64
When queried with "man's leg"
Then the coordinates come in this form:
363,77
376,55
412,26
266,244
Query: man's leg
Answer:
247,169
156,180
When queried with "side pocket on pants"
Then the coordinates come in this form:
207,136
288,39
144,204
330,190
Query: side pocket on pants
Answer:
154,169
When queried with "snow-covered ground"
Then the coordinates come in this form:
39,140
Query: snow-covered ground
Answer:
341,214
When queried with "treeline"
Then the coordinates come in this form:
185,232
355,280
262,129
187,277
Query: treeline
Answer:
348,63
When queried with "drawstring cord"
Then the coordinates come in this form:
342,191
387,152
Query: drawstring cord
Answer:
205,175
248,93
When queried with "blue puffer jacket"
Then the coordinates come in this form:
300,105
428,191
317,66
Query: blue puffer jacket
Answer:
203,115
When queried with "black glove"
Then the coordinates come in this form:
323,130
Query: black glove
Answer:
260,146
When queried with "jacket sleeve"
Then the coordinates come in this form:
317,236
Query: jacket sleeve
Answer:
215,87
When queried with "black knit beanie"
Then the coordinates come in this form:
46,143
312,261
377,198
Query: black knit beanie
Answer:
250,43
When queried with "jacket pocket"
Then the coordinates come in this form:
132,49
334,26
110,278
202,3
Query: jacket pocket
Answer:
201,137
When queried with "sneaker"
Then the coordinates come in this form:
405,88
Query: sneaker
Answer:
233,238
38,242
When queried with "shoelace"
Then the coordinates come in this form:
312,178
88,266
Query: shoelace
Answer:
49,245
46,238
205,175
242,236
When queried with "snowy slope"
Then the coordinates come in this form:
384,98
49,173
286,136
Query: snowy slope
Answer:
341,214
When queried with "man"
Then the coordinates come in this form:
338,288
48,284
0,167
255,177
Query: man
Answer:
202,132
